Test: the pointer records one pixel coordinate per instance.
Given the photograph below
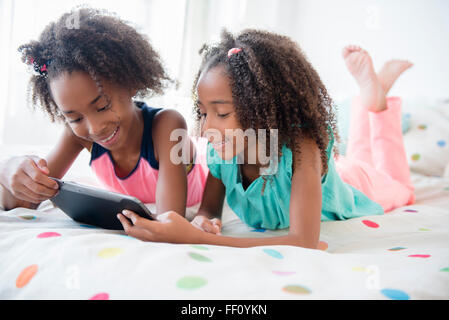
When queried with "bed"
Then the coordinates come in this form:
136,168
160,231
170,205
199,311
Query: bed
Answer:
400,255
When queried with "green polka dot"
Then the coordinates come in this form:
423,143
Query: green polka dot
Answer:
29,217
295,289
422,127
445,269
416,157
191,283
200,247
397,248
423,229
199,257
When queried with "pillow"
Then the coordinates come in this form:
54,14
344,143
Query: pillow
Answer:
426,135
446,172
427,140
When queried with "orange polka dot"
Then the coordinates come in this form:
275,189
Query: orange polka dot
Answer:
26,275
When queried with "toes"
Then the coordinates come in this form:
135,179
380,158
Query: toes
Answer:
345,52
351,49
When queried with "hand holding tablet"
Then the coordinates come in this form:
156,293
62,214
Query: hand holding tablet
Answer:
95,206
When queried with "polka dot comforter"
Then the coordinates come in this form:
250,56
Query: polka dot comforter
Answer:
401,255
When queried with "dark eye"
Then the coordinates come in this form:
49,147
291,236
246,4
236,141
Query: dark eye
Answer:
75,121
223,115
104,108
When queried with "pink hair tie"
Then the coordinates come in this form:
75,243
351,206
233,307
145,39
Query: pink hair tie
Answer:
233,51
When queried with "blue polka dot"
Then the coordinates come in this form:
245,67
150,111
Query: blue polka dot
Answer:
274,253
88,226
395,294
258,230
441,143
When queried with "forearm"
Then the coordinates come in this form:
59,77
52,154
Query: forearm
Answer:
171,191
213,198
210,214
288,240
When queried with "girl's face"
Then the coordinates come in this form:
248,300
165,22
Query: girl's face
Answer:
106,119
219,123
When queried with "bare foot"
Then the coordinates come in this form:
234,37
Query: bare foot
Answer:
360,65
391,71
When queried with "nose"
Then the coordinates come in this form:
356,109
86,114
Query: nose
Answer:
207,130
96,129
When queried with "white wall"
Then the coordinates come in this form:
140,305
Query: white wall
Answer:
24,20
416,30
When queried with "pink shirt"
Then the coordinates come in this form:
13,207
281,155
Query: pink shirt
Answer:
141,182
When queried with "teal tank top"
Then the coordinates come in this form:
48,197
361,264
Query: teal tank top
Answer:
270,209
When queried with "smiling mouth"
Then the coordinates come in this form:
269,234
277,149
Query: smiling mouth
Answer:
110,137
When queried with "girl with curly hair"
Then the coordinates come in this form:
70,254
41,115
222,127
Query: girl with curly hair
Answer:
260,80
86,77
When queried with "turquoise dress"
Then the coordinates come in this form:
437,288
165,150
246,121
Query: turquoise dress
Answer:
270,210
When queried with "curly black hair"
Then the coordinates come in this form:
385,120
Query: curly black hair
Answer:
273,87
100,44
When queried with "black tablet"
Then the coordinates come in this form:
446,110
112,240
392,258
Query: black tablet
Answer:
95,206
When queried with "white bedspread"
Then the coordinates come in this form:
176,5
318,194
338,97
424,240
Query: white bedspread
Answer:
400,255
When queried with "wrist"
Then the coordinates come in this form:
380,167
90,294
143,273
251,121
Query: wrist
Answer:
204,213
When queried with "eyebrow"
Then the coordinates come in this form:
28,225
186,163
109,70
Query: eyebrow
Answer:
96,99
217,102
91,103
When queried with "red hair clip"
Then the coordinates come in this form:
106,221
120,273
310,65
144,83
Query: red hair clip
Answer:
40,69
233,51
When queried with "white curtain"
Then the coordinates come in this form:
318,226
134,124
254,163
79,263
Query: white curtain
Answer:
23,20
414,29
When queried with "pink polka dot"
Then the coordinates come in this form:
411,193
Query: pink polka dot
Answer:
419,256
48,235
100,296
370,224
